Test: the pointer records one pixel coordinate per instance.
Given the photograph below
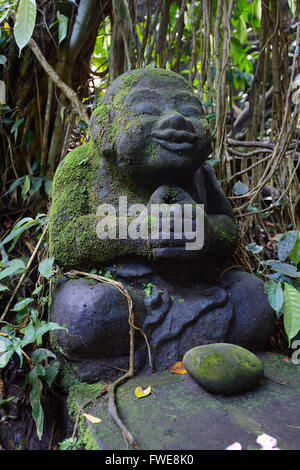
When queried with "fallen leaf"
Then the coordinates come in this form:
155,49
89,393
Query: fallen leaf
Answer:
140,393
91,418
178,368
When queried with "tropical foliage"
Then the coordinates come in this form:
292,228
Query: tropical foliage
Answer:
57,59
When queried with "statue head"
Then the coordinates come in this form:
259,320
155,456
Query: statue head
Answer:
150,122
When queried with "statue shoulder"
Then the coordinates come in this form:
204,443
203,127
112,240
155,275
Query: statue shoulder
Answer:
76,164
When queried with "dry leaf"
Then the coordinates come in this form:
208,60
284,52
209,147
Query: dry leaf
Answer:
91,418
178,368
140,393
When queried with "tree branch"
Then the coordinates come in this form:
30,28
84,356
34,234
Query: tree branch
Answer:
69,92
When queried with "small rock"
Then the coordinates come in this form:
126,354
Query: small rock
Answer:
223,368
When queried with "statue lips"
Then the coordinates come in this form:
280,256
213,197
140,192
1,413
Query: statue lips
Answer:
175,140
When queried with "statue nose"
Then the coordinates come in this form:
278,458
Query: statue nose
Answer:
175,120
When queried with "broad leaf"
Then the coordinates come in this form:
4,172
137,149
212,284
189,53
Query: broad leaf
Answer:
22,304
35,400
283,268
275,296
286,244
254,248
48,187
240,188
40,355
14,185
16,232
25,22
3,287
16,126
45,267
291,309
62,26
295,253
5,357
12,267
51,371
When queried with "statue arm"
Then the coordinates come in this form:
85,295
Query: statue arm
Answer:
72,225
222,227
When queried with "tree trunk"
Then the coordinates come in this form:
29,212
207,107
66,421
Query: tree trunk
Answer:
31,95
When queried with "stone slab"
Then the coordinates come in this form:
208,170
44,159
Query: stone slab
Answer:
182,416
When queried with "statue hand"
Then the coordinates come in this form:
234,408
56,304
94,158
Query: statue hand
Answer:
179,227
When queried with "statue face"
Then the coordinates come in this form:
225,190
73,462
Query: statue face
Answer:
163,129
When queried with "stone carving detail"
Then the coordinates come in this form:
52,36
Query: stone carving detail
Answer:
150,143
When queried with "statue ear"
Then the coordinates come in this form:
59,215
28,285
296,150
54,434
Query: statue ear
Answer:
106,146
100,138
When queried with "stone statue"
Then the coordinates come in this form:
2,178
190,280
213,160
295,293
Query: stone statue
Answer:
150,144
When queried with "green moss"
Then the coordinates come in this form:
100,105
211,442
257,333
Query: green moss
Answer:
82,393
223,368
68,376
84,180
89,441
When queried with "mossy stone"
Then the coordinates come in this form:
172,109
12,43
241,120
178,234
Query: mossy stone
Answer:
223,368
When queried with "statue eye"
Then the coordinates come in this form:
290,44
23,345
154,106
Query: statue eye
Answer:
191,111
147,108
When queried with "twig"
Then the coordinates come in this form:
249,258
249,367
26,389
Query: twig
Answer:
275,381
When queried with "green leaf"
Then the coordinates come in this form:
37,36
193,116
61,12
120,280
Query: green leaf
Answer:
14,185
22,304
25,22
4,343
40,355
3,60
45,267
254,248
240,188
291,310
241,29
16,126
283,268
35,400
7,400
62,26
3,287
293,6
48,187
51,372
12,267
25,187
16,232
295,253
37,290
275,296
37,183
71,443
5,357
28,138
286,244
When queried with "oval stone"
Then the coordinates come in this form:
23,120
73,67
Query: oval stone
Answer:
223,368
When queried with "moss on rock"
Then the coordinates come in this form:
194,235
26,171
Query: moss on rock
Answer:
223,368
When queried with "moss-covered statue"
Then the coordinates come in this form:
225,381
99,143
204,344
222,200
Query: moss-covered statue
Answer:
150,143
